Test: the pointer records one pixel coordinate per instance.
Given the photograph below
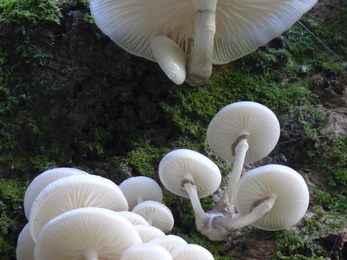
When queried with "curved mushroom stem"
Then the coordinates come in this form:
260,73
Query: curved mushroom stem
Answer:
91,254
199,63
256,213
221,227
225,201
200,216
170,57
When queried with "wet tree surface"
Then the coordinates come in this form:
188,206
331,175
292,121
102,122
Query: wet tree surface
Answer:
71,97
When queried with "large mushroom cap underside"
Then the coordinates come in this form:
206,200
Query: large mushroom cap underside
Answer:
75,233
182,165
73,192
256,121
241,26
42,180
289,188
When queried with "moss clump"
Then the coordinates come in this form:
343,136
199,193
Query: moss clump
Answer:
11,216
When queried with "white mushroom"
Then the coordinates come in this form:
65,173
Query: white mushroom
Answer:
170,58
134,218
270,197
140,188
169,242
41,181
73,192
192,175
279,190
147,232
146,252
25,245
156,214
242,132
191,252
86,233
207,32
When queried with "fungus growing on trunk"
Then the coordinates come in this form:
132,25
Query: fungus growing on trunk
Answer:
204,32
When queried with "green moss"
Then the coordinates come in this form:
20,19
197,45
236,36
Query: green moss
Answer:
11,214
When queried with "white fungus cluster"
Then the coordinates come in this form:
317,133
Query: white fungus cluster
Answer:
271,197
75,215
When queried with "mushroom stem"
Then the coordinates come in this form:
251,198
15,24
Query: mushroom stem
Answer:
91,254
170,58
256,213
200,216
194,199
199,63
234,176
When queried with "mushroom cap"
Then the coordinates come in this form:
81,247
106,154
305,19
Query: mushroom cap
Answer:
73,192
134,218
146,252
156,213
241,26
140,188
287,185
169,242
191,252
183,164
147,232
73,233
41,181
244,118
25,245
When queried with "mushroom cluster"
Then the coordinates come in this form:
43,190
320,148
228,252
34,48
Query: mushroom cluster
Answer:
187,36
75,215
270,197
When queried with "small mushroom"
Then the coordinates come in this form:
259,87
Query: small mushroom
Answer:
146,252
279,190
192,175
86,233
25,245
169,242
140,188
191,252
73,192
134,218
156,214
242,132
147,232
207,32
41,181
